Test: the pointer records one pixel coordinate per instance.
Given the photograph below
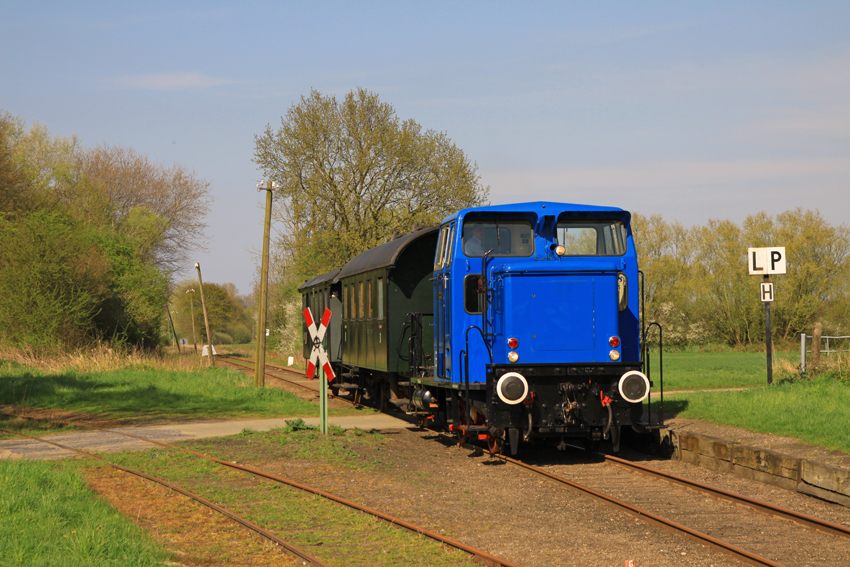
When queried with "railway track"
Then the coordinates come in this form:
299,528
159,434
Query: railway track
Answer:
475,554
753,531
756,532
287,376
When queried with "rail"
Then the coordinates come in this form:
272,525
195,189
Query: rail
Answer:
479,556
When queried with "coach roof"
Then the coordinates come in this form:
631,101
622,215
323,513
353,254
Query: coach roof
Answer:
324,278
382,256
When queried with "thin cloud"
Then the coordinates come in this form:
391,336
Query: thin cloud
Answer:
167,82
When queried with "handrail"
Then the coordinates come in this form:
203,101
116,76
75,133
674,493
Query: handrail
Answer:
660,371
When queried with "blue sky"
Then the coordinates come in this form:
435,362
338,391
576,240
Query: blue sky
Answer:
691,110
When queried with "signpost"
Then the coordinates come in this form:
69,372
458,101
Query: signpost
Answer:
317,335
764,262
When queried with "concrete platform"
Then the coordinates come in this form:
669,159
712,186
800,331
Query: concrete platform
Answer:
105,442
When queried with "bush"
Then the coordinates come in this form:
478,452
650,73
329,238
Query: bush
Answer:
53,279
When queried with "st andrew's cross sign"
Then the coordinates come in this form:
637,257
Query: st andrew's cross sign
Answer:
317,336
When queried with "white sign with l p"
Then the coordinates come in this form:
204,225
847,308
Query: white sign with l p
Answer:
766,261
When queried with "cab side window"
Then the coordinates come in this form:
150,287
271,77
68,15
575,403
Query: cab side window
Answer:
472,290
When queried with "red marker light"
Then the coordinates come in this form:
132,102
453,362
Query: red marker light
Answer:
614,342
513,343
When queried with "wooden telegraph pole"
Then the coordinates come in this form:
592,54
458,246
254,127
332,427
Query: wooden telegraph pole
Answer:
206,318
263,300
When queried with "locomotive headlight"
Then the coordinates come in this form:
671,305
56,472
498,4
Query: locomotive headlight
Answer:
513,356
560,250
512,388
634,386
614,355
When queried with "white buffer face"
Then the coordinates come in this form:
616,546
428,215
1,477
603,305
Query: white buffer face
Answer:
634,386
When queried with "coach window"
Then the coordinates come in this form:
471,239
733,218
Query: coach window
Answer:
360,303
380,298
369,299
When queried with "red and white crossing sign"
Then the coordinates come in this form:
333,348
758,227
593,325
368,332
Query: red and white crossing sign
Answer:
317,336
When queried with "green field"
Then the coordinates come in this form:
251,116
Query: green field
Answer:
50,517
150,395
814,411
711,371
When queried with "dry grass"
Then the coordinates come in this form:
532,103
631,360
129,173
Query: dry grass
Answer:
102,359
836,365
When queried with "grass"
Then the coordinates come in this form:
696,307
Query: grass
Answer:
334,533
50,517
715,370
296,440
148,394
813,411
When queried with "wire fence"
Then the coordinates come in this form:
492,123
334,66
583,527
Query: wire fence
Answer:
833,345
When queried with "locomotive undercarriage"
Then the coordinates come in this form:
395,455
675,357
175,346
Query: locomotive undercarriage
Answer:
556,402
563,402
560,402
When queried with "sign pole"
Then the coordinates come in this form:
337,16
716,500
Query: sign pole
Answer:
763,262
768,339
323,403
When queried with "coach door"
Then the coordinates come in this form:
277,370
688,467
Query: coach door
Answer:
442,301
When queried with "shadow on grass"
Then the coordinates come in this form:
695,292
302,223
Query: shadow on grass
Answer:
82,393
672,408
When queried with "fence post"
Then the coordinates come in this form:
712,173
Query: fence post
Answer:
816,337
802,356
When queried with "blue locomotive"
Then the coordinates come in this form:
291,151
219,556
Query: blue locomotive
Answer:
508,323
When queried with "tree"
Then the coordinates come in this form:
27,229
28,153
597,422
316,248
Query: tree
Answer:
119,186
665,255
351,174
698,287
231,321
88,240
818,265
52,280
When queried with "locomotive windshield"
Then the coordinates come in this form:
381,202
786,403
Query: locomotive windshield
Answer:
503,237
592,238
